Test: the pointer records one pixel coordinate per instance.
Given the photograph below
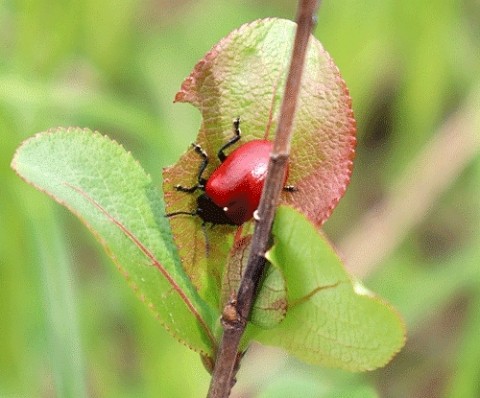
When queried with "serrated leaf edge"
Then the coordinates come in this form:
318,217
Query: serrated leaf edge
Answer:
104,244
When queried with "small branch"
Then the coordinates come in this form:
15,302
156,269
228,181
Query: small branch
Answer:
236,313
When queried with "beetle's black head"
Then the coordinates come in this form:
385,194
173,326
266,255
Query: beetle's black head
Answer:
208,211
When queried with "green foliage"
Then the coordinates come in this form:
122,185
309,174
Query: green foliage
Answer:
328,322
107,189
116,67
331,320
111,194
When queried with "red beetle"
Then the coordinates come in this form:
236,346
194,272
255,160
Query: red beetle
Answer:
232,192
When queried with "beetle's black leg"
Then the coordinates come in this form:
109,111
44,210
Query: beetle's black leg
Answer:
200,180
236,128
204,225
186,213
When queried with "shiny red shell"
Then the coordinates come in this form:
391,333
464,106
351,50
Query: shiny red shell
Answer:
236,185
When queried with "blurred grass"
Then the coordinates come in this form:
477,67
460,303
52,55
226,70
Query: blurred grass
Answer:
69,324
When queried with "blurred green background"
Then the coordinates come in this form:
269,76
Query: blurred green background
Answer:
409,223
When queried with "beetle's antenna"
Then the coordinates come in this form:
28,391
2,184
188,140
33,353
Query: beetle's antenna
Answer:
204,225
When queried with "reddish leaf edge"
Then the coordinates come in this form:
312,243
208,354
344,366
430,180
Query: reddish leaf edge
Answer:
127,233
352,134
187,94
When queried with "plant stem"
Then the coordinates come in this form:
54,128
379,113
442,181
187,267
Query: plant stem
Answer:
236,312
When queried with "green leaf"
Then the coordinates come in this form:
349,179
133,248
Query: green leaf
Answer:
107,189
331,320
270,305
244,75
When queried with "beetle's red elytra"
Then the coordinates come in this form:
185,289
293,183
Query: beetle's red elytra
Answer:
232,192
236,185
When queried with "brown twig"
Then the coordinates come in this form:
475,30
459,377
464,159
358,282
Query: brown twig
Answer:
235,314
